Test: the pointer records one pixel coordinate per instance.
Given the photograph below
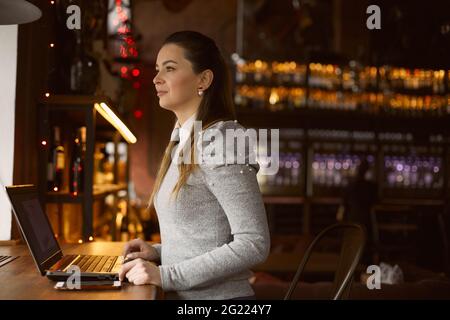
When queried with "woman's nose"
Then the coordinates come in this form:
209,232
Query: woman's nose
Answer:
157,79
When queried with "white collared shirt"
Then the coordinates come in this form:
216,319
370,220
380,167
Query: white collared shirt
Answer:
186,128
184,132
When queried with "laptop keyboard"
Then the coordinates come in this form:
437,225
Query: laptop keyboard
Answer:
97,263
6,259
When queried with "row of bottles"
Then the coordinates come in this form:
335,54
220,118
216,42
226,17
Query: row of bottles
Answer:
325,76
66,163
104,160
336,170
394,78
272,99
401,164
413,105
322,99
284,98
367,79
323,134
261,72
353,76
57,163
288,175
413,172
289,85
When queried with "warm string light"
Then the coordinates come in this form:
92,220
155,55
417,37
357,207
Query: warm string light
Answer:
128,48
138,114
51,45
136,85
135,72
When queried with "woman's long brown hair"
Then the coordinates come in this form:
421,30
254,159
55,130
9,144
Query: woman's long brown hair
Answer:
216,104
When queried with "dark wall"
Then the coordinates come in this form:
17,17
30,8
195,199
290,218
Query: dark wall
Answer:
154,21
32,55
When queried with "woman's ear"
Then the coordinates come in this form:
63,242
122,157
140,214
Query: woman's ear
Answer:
205,80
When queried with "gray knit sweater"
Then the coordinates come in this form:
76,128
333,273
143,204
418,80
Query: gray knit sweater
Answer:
213,232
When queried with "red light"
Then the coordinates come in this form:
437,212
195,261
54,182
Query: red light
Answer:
44,143
124,69
136,85
135,72
138,114
133,52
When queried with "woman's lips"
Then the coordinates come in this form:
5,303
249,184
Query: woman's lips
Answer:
160,93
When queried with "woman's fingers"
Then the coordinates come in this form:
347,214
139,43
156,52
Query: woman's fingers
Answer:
140,279
138,271
136,255
126,268
132,245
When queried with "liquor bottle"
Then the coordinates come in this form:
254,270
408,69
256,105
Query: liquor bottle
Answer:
76,67
77,163
56,164
124,234
84,69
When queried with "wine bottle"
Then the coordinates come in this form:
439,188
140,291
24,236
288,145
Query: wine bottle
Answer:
124,234
77,163
76,67
84,69
56,164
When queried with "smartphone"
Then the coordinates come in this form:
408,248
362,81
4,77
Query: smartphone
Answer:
89,285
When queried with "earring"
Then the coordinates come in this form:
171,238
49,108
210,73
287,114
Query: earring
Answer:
200,92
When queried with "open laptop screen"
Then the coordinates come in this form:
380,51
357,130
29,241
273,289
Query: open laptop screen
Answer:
33,222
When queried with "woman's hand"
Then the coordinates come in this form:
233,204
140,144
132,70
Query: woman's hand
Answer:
138,248
140,272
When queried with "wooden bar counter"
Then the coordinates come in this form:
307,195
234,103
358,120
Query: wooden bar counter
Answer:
21,280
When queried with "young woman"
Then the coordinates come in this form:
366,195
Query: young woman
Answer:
212,219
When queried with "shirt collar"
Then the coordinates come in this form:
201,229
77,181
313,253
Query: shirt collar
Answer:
181,133
188,123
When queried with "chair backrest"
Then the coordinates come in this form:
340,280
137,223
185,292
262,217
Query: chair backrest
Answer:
347,246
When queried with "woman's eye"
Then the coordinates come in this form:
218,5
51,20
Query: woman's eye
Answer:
170,69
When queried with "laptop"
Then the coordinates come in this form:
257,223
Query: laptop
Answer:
45,250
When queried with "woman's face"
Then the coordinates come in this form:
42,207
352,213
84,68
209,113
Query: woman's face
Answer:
175,82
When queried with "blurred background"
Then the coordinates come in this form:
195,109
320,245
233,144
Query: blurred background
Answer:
363,118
